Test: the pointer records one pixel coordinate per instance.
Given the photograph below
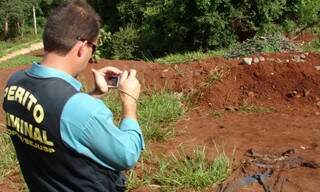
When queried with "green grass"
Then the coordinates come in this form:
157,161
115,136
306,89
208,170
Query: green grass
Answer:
182,171
9,163
313,46
143,179
19,61
188,57
157,112
8,159
216,75
10,46
251,108
244,107
216,113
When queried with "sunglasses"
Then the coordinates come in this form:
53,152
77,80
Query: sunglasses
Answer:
92,45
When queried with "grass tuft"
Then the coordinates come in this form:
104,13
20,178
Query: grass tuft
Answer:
156,113
250,108
216,75
216,113
183,171
188,57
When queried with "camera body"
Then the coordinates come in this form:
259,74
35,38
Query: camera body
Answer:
113,81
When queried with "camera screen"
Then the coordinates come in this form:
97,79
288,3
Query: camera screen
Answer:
113,81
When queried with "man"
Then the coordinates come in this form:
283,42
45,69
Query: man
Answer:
66,140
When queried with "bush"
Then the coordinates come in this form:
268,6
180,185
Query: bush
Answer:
123,44
159,28
268,43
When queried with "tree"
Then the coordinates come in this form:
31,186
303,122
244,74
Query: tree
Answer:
13,14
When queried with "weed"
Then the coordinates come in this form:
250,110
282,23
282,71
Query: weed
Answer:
268,43
250,108
217,113
143,179
214,76
134,181
195,171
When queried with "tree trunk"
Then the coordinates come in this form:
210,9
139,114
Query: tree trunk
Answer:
22,26
34,20
19,29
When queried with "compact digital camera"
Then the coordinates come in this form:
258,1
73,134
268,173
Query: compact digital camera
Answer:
113,81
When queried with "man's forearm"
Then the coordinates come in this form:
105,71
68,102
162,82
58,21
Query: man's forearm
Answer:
130,110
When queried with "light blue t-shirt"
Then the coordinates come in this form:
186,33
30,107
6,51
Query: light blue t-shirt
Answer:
87,126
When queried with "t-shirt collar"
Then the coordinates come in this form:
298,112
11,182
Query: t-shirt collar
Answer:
42,71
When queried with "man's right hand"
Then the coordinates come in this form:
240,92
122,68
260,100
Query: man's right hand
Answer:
129,89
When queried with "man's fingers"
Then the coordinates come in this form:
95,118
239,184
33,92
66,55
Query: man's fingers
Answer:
133,73
96,72
124,76
110,69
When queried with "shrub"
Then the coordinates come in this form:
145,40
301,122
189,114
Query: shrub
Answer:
123,44
269,43
159,28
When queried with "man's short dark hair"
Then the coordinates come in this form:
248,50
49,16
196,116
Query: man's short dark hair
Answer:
66,23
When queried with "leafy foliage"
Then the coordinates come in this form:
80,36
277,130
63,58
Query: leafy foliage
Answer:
269,43
18,14
159,28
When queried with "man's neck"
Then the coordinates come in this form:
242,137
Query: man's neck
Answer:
58,62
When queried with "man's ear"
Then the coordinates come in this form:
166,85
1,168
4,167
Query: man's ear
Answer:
77,49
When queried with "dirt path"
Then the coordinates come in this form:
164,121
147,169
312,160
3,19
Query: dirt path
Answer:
33,47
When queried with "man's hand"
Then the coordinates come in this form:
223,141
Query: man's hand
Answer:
101,86
129,88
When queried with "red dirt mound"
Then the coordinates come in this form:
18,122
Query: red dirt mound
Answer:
218,82
268,82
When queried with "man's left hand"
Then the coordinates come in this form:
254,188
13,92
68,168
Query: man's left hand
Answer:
100,75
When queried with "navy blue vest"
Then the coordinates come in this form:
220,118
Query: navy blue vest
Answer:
33,108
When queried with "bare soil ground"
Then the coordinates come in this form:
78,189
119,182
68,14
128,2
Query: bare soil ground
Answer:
291,89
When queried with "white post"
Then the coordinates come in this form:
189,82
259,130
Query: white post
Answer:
6,27
34,19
